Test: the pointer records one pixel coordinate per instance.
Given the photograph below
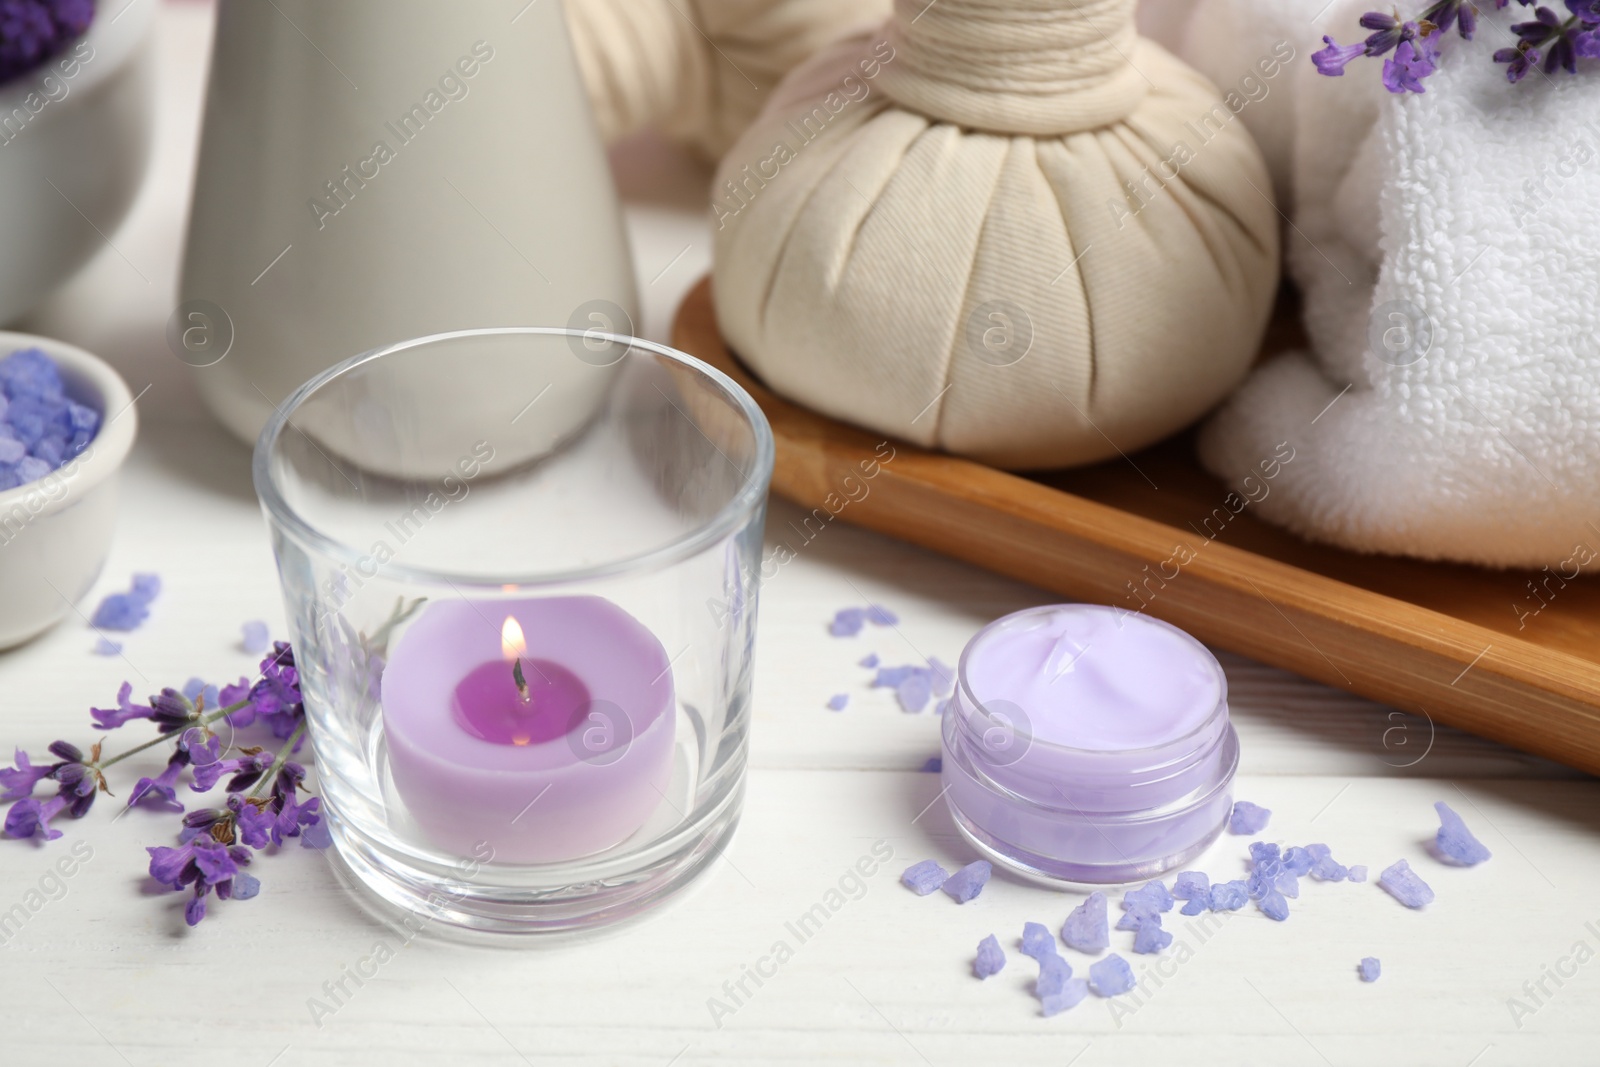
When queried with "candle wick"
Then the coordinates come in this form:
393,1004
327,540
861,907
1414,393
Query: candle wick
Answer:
522,683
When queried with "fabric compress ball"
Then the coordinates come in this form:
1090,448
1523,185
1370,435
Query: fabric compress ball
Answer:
699,70
1010,229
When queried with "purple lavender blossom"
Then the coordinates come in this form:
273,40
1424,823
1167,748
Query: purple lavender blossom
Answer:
1332,60
32,31
1413,61
18,781
30,819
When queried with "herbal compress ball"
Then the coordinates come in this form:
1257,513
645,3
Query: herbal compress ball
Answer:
1011,229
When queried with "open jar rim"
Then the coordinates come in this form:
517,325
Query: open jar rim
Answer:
985,718
728,518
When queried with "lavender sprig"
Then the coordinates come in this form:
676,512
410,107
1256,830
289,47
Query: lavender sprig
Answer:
1416,44
263,807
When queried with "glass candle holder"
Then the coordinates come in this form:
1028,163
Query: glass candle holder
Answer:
520,568
1088,744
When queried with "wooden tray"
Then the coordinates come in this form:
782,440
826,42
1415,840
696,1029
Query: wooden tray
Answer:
1441,640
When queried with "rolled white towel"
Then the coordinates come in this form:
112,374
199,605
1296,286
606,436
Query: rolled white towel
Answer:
1448,249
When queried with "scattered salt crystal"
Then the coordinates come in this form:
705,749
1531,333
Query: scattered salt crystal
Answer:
1455,840
1152,896
254,637
1228,896
968,882
1037,941
1248,818
1151,937
923,878
1054,974
1370,969
934,765
11,449
1087,928
1297,859
871,661
879,615
1287,884
914,693
1073,991
1402,883
1273,906
838,701
1357,872
891,677
1111,976
1262,851
1191,885
125,611
1195,906
991,958
847,622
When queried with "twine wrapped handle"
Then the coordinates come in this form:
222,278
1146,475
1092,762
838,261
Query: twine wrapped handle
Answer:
1036,67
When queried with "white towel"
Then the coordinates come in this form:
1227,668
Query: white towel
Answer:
1464,220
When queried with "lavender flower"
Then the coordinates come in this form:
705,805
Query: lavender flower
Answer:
1413,60
164,786
31,818
18,782
1333,59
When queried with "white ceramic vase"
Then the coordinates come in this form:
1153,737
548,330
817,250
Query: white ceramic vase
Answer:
376,170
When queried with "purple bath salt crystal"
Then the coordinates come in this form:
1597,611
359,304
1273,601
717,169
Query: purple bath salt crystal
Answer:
847,622
1152,896
1195,906
1054,973
1273,905
1248,818
1037,941
254,637
1402,883
878,615
991,957
1111,976
1087,928
125,611
838,701
11,449
1370,968
1072,991
1263,852
1150,937
1287,884
1228,896
31,469
968,882
1298,860
1455,840
30,373
1357,872
1190,885
934,765
871,661
923,878
891,677
914,693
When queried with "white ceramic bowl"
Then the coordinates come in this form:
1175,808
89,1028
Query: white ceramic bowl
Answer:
55,532
74,142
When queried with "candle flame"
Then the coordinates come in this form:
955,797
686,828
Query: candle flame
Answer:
512,643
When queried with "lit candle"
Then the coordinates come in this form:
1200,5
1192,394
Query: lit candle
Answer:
556,745
1087,743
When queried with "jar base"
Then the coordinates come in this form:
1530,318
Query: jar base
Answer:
1060,874
544,901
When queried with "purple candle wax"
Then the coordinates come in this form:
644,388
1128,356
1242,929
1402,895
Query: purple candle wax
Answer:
575,769
489,705
1086,743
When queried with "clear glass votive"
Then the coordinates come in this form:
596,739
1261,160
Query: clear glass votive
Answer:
520,568
1088,744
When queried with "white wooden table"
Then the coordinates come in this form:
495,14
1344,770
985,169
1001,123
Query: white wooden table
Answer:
108,974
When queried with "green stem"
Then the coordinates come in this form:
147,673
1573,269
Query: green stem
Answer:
282,758
173,736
